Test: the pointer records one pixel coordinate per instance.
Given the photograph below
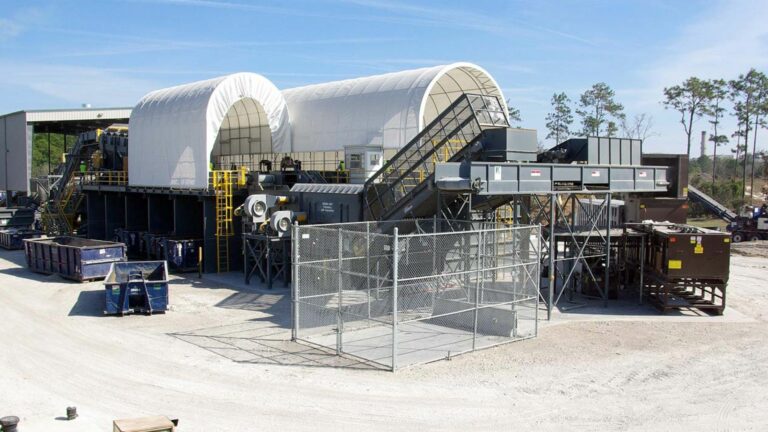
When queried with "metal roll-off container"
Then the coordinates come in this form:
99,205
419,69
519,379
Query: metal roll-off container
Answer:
13,238
136,287
73,258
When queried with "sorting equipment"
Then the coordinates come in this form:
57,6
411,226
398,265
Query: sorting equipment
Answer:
687,267
18,217
136,287
73,257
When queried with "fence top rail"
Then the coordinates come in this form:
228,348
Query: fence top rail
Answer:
373,227
476,230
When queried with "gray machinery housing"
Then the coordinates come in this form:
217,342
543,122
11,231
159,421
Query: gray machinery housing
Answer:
509,144
596,151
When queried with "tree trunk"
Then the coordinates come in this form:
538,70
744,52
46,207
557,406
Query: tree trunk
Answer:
754,152
744,170
714,160
738,151
688,133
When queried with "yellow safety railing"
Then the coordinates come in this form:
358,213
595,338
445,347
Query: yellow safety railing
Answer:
105,178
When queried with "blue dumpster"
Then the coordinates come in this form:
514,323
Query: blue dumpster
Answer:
182,254
14,238
38,254
73,257
133,241
136,287
153,244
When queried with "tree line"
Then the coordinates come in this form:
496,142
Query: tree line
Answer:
745,98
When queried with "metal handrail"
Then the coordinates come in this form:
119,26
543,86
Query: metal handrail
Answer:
401,169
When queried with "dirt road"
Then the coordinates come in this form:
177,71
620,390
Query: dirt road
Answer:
221,360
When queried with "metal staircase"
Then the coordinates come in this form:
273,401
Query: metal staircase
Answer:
59,213
710,204
400,188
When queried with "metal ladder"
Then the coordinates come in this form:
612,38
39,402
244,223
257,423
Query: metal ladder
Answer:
449,137
222,187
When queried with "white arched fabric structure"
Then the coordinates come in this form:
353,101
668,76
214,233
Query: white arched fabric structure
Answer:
174,130
384,110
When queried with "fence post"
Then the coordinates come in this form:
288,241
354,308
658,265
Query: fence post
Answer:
537,281
395,276
295,263
608,250
552,252
368,266
477,287
339,318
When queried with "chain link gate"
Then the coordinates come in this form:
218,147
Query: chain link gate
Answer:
391,299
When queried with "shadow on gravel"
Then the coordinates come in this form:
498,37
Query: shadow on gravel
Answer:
89,303
252,342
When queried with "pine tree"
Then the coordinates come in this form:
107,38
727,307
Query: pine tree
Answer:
691,100
560,119
596,106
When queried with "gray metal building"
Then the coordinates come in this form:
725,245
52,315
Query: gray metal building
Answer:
17,132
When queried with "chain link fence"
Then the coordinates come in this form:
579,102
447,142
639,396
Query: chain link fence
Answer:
414,291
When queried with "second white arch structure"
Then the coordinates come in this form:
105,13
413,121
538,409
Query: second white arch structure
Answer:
383,110
176,132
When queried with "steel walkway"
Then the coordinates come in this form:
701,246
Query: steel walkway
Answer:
401,189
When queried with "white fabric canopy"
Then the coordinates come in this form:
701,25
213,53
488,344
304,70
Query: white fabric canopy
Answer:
174,130
384,110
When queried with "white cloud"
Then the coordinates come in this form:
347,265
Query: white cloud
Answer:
74,85
722,41
8,29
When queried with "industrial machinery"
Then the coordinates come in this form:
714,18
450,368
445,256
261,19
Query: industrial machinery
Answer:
751,224
685,266
267,219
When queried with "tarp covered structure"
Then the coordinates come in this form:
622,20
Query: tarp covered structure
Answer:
384,110
174,132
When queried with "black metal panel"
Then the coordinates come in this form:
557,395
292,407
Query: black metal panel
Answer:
95,216
188,216
114,214
136,212
160,213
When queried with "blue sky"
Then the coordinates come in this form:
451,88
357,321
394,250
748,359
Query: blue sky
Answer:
109,53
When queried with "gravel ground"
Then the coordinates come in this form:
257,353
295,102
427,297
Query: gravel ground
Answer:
221,360
753,248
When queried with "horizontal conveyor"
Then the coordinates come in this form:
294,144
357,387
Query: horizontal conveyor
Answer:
511,178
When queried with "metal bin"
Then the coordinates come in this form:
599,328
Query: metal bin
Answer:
136,287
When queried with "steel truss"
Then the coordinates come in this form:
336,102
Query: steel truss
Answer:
268,257
575,258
